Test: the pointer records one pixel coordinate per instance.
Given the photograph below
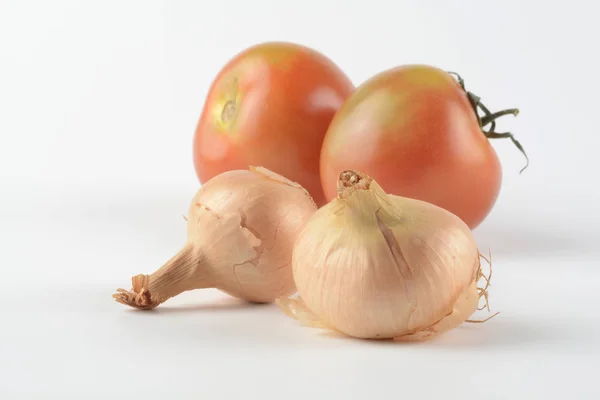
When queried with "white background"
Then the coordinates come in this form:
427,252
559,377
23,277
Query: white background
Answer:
98,105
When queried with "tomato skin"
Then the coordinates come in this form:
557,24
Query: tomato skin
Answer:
270,106
413,130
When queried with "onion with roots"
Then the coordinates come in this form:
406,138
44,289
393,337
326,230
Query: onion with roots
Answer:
242,226
377,266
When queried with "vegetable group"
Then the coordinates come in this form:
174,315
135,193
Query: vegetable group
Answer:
373,265
390,253
242,225
416,131
270,106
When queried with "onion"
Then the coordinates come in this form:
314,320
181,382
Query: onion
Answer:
242,225
377,266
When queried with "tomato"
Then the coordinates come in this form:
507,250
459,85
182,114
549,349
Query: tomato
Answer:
415,130
270,106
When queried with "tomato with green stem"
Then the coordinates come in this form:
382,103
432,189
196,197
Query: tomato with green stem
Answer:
418,132
270,106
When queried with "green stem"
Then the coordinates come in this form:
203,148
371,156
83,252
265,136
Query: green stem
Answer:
489,118
486,112
508,135
460,80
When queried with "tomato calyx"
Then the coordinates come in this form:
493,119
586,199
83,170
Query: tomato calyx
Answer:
489,118
226,109
229,111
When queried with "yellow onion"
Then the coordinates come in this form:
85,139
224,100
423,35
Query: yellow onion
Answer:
374,265
242,225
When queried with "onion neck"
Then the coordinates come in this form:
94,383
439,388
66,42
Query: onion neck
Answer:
363,195
187,270
350,181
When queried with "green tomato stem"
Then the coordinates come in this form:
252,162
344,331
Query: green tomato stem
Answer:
489,118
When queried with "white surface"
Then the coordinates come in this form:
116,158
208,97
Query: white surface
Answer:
98,103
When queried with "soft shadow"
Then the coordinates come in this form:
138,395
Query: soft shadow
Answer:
337,335
221,305
507,332
517,333
334,335
211,307
529,241
227,325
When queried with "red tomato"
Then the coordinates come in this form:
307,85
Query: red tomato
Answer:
270,106
415,131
